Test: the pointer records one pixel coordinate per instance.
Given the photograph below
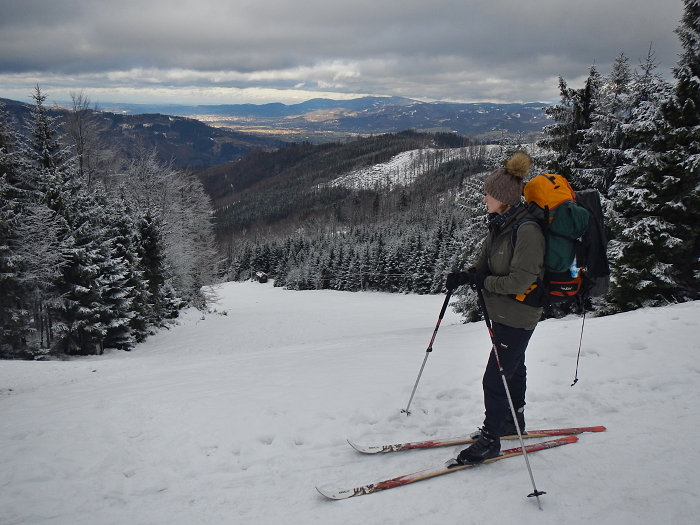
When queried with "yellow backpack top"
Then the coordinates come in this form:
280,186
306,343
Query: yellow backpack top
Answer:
544,193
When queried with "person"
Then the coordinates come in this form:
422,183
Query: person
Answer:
502,271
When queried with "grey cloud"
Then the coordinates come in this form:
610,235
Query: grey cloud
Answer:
440,49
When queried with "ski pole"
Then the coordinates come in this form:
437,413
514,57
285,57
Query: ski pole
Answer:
580,342
536,493
430,349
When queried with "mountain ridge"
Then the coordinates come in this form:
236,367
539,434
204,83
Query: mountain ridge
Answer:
186,142
271,109
327,119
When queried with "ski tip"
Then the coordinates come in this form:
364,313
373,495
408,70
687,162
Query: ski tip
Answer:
324,492
364,449
355,445
333,494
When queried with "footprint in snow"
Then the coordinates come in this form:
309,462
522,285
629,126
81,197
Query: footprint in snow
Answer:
208,451
266,440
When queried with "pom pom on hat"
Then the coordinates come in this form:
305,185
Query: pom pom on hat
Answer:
506,184
519,164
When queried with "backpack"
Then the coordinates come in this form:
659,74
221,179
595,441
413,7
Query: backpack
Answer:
575,259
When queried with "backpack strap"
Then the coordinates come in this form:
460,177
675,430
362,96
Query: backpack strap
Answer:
538,289
514,233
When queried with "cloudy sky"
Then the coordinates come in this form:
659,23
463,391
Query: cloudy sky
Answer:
259,51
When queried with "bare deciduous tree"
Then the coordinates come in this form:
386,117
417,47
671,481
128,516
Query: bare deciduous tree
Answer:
84,127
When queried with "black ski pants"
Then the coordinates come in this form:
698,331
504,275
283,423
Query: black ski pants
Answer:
511,344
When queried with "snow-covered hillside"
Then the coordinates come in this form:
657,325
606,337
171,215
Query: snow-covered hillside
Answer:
401,169
235,418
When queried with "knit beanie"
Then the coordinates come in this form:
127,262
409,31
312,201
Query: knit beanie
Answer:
506,184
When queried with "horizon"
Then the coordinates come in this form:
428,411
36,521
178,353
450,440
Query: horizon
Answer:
67,102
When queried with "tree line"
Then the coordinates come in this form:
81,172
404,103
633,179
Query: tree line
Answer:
400,257
97,248
404,238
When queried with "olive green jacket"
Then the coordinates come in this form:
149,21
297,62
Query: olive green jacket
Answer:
512,270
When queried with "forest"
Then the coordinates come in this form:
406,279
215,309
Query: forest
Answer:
97,248
397,239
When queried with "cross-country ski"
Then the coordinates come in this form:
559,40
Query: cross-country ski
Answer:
446,442
437,471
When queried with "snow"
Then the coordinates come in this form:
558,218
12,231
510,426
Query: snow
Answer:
236,416
401,169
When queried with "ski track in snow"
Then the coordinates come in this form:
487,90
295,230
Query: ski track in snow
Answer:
236,418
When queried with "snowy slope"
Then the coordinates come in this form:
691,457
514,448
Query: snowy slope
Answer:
401,169
228,419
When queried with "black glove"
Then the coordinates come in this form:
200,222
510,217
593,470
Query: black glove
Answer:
455,279
476,278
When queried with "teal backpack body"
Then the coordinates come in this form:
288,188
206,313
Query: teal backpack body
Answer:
575,260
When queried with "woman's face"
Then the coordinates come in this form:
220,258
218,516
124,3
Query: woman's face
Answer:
495,206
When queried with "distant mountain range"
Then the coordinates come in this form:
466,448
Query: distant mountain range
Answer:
200,136
361,116
184,141
272,110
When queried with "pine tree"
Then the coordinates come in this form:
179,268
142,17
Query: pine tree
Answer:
46,149
656,194
423,266
94,295
86,295
643,249
555,145
125,289
681,186
604,142
162,302
38,185
51,177
568,150
13,330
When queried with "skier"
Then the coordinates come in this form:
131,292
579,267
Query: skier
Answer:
503,271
